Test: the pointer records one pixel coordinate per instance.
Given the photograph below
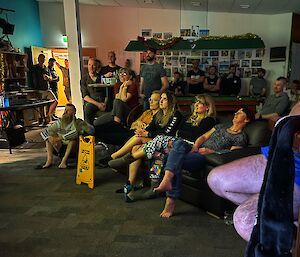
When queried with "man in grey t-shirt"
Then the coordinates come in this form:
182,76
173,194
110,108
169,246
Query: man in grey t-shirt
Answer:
258,85
153,77
276,104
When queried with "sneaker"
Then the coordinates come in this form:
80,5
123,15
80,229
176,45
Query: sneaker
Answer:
135,188
127,189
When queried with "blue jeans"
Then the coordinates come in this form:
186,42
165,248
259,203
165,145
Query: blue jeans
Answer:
181,157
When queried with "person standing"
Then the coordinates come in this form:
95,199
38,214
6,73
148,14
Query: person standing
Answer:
231,84
212,81
258,85
195,79
112,69
66,79
53,87
153,77
40,78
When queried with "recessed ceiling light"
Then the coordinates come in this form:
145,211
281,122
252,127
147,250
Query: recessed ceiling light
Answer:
148,1
195,3
244,6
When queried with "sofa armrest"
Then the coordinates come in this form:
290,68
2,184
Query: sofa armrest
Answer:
216,159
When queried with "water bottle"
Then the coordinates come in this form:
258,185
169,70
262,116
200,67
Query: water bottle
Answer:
6,102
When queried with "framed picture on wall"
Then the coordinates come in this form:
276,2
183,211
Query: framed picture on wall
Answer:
247,73
277,54
254,71
204,53
213,53
224,53
235,62
248,54
256,63
245,63
241,54
215,61
146,32
182,60
185,32
167,35
158,35
259,53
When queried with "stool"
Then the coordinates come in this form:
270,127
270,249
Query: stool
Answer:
86,161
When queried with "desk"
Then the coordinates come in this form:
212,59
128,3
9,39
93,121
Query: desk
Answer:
106,86
10,134
29,105
223,103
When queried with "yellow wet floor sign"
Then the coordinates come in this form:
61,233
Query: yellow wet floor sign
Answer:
86,161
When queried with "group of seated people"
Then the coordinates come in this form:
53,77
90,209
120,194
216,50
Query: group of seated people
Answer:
183,141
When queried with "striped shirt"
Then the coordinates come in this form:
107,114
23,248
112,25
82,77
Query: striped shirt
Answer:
68,131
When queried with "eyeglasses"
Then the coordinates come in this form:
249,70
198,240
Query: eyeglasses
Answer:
123,74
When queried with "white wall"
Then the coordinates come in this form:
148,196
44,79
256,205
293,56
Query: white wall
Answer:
111,28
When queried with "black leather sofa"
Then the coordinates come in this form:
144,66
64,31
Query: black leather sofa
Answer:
195,189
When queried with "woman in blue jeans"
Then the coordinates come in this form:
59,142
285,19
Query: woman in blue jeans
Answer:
184,155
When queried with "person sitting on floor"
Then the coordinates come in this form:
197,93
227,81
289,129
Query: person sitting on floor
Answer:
240,182
201,121
191,157
63,135
126,98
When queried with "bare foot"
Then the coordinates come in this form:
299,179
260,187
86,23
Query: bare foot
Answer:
47,164
166,183
62,165
169,208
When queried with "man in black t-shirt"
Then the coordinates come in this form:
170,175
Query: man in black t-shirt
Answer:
112,69
40,78
231,84
195,79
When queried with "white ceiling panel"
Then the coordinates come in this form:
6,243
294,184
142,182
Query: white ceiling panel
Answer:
155,4
127,3
232,6
107,2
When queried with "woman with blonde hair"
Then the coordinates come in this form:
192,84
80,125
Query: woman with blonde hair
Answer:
165,122
201,120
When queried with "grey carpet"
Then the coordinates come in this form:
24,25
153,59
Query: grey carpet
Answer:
44,213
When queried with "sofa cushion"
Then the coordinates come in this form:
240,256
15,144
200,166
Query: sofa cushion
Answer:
258,133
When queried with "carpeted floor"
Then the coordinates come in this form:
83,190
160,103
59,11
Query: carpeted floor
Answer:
44,213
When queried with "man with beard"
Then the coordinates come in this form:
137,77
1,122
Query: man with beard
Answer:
63,136
153,77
